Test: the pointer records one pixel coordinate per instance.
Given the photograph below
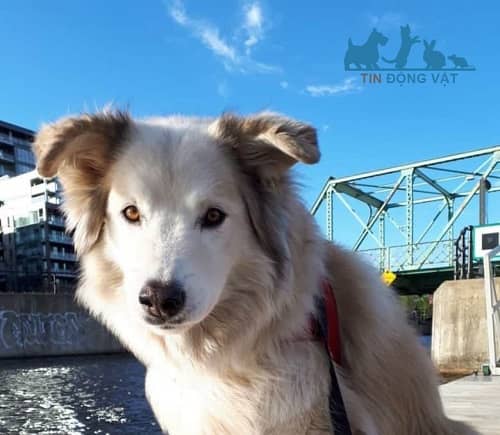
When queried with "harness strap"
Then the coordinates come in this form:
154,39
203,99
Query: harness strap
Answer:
332,324
327,325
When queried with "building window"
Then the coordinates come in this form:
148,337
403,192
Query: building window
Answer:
25,156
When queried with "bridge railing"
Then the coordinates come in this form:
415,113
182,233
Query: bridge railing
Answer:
400,258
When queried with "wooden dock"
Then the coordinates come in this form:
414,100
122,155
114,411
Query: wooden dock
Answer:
475,400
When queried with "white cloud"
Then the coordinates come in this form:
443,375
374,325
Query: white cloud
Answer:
347,86
253,25
233,57
210,37
178,13
284,84
205,32
387,21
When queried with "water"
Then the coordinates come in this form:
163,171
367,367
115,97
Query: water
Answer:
74,395
77,395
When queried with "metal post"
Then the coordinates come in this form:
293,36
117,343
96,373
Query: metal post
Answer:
470,270
329,214
381,237
463,253
484,186
491,308
456,269
451,237
409,173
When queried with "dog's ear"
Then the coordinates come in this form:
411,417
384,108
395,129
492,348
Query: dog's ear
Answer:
268,144
265,146
80,150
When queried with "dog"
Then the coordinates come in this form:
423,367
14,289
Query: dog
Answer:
366,54
197,252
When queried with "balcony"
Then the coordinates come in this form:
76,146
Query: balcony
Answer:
24,221
60,238
6,157
29,253
56,220
50,189
54,200
25,238
5,138
12,140
60,271
19,141
66,256
38,189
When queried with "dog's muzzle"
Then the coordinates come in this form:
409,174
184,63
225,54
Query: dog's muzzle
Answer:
162,301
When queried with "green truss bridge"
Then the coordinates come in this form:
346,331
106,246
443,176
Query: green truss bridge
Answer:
408,219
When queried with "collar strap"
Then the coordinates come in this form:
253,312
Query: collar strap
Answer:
333,326
324,325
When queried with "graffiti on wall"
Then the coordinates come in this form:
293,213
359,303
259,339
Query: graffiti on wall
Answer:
25,330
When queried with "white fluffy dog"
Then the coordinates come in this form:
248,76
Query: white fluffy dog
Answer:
197,253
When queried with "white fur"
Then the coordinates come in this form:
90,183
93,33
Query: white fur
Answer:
240,362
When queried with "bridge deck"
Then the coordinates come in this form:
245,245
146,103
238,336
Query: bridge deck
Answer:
475,400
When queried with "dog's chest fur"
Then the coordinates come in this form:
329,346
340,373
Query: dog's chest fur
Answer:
185,402
187,399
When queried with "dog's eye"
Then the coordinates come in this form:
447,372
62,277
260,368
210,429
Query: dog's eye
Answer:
132,214
213,218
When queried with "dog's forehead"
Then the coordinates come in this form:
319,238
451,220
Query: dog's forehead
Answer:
172,155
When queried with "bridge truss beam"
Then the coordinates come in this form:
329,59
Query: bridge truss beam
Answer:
424,203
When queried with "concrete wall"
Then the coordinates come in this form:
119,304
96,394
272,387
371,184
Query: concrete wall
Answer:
459,334
44,324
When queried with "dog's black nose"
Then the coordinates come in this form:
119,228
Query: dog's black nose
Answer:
163,299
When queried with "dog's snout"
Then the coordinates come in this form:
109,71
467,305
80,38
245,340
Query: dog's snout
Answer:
163,299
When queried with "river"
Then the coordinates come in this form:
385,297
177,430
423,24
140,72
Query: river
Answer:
77,395
74,395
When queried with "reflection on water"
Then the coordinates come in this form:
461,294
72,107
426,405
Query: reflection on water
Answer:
74,395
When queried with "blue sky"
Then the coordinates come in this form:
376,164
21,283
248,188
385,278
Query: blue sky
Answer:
183,56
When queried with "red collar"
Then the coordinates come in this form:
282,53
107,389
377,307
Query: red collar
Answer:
325,327
332,319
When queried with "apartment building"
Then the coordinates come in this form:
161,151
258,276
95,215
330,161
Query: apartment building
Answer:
16,156
35,252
